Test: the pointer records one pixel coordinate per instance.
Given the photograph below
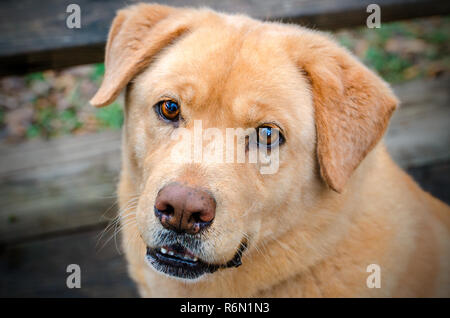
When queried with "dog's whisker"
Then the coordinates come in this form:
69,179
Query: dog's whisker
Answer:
112,224
116,232
130,222
131,204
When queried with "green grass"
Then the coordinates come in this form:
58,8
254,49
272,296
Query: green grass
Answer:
50,122
97,72
401,66
38,76
389,65
111,116
388,30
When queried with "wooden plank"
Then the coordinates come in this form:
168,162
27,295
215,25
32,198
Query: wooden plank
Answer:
69,183
34,35
38,269
419,132
57,185
51,158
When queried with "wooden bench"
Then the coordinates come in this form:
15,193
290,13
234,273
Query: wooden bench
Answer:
58,195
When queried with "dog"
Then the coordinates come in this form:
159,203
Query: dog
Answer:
337,218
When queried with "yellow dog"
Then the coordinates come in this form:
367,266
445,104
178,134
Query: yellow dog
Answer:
337,218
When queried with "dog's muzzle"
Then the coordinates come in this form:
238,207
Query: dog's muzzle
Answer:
178,261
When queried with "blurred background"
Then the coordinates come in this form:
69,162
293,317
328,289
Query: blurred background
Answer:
59,157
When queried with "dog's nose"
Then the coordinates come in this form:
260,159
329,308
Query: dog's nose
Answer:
184,209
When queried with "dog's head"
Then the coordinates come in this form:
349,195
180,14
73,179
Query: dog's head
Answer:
304,106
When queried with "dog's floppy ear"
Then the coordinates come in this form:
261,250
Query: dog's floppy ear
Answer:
137,34
352,105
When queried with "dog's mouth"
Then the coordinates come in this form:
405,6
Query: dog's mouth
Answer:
178,261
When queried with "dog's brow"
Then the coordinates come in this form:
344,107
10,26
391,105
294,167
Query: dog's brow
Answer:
182,91
252,113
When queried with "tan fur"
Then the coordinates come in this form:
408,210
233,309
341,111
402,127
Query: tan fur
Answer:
337,204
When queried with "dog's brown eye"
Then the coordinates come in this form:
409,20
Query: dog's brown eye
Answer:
269,135
168,110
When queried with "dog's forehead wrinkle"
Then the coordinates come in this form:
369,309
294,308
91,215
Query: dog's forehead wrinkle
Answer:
196,56
205,93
